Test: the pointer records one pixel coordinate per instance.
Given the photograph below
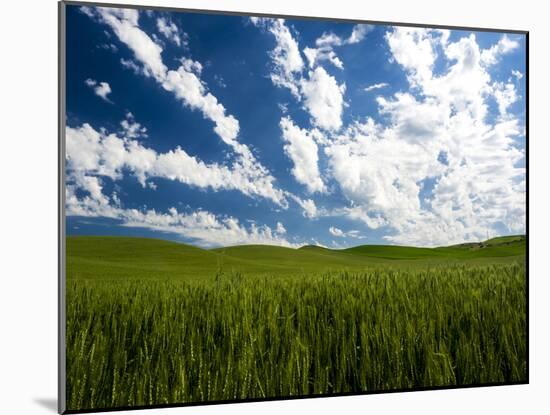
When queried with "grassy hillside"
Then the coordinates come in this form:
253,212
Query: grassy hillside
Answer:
154,322
465,251
506,240
123,257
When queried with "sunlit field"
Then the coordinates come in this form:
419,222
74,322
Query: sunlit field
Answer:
234,334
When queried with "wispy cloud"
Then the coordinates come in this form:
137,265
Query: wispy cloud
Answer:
376,86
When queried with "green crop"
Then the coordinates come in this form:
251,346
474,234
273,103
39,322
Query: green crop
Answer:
233,335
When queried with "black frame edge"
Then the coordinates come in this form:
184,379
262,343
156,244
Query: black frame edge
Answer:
61,328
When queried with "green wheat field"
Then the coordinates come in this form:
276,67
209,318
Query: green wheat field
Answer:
151,322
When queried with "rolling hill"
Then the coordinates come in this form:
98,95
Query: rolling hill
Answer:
108,257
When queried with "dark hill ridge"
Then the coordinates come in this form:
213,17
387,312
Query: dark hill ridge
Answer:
315,248
498,241
125,257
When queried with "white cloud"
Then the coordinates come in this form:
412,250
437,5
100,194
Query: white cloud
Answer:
517,74
322,95
413,49
316,55
205,228
88,11
308,206
324,51
186,85
359,213
505,95
97,153
101,89
341,234
437,135
280,229
170,31
376,86
358,33
323,98
131,65
93,154
288,62
382,169
379,172
302,150
328,41
492,55
183,82
202,227
131,128
124,23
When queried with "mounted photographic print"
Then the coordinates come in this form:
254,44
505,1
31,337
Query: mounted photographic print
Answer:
275,207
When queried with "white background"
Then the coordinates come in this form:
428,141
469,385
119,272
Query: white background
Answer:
28,204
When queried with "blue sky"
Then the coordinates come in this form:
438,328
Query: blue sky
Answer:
225,130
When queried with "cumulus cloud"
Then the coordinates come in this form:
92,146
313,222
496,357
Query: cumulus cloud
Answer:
323,98
131,128
324,50
492,55
186,85
402,41
335,231
280,229
358,33
321,93
316,55
202,227
98,153
124,23
302,150
505,95
309,209
93,155
85,195
382,169
170,31
184,82
434,166
101,89
287,61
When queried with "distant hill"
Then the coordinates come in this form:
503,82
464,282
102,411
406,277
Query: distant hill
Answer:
506,240
315,248
125,257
